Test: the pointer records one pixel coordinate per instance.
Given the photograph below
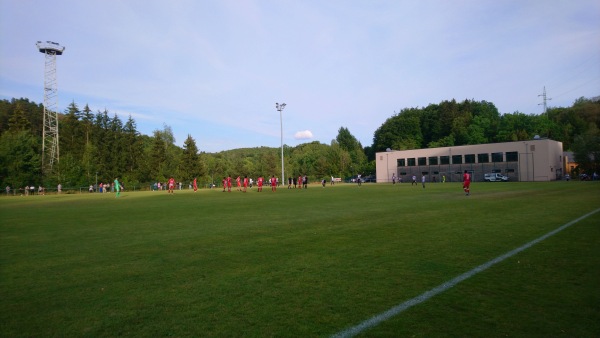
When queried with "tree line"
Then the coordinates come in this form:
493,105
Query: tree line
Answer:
99,146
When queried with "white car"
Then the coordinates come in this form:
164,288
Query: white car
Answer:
495,177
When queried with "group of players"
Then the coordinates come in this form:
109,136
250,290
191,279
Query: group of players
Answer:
242,184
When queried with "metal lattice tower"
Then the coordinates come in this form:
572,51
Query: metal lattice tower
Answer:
543,95
50,150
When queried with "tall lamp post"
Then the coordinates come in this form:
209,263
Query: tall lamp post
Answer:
280,107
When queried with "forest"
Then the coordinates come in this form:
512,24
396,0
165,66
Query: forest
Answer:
99,146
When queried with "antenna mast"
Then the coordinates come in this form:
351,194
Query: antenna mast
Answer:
543,95
50,151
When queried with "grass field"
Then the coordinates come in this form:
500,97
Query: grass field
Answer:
301,263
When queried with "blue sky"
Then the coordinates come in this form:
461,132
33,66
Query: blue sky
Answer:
215,69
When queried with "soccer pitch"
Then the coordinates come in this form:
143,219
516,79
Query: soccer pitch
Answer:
306,262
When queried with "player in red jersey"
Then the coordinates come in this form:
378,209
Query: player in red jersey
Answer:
229,183
245,183
273,183
171,185
195,184
239,183
259,182
467,183
224,183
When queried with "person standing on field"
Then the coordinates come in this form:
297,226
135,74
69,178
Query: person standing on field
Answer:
414,180
195,184
273,183
259,182
117,186
423,181
467,183
229,183
245,183
171,185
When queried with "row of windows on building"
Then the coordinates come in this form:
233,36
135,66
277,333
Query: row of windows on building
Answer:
511,156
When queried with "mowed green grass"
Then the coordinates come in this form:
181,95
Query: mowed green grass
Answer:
301,263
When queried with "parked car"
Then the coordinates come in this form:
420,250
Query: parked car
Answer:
367,179
495,177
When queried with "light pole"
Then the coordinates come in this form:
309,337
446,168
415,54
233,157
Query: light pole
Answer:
388,163
280,107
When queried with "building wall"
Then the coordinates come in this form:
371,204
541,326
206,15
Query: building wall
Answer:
569,163
532,160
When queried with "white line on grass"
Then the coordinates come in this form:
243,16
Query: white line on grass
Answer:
376,320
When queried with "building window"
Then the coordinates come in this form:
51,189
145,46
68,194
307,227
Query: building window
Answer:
422,161
457,159
470,158
401,162
483,158
444,160
411,162
433,160
497,157
512,156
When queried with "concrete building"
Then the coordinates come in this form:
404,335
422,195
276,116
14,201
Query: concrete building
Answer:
532,160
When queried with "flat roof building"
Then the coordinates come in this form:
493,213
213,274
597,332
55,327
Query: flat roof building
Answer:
527,161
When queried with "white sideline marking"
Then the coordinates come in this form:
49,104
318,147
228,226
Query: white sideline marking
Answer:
376,320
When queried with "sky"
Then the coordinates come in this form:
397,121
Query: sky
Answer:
215,69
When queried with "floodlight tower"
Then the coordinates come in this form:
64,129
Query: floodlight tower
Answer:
50,151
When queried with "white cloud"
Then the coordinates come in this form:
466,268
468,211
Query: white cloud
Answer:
303,135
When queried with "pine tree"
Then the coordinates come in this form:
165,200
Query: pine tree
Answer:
190,162
18,120
157,157
133,151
